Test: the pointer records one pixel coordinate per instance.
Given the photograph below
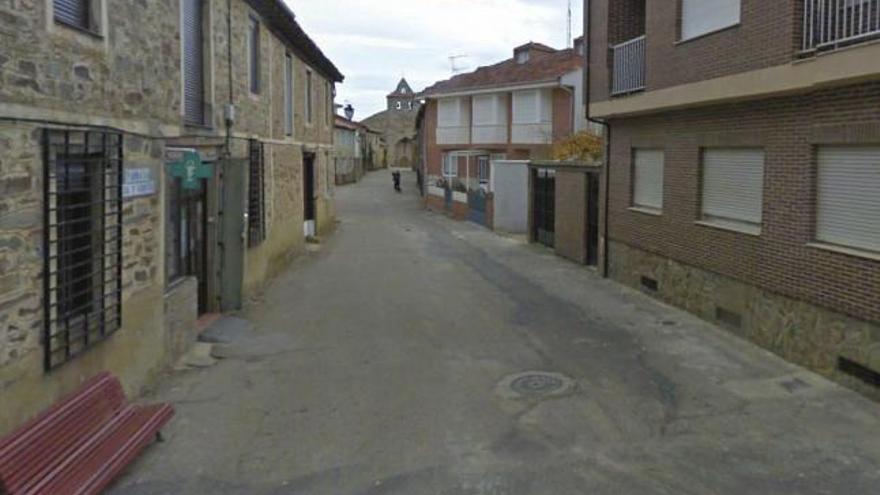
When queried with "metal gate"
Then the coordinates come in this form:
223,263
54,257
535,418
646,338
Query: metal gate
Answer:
477,206
447,197
544,206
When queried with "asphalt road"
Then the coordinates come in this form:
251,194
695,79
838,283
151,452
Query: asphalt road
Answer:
382,364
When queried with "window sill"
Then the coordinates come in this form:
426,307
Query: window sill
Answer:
647,211
732,226
709,33
89,32
860,253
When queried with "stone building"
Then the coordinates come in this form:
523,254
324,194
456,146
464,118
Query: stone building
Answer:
157,162
348,151
397,123
744,168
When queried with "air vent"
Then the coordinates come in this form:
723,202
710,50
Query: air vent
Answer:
728,317
859,371
649,284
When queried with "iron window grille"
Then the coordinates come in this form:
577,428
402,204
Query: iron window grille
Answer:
256,195
82,242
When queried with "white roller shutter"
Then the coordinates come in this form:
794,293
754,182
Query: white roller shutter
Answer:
525,107
848,209
484,110
733,185
448,112
704,16
648,179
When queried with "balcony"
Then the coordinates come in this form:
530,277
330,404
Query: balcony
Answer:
454,135
830,24
532,133
628,75
489,134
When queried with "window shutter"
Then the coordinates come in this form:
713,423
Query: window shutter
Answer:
448,112
525,107
648,179
288,94
254,55
848,209
733,184
193,63
484,110
74,12
704,16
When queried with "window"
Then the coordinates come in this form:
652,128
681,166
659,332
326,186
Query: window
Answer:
483,168
288,94
82,248
256,196
254,55
309,96
522,57
733,188
532,107
76,13
647,187
848,197
484,110
699,17
398,105
193,62
449,113
329,101
409,105
450,165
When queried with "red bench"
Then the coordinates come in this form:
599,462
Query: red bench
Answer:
81,443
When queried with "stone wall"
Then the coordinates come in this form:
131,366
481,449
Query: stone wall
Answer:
806,334
181,303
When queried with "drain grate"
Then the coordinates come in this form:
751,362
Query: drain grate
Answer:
535,384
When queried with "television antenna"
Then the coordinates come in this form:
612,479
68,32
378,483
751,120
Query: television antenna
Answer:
452,66
568,35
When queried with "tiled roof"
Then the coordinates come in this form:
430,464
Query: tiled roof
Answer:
284,21
544,64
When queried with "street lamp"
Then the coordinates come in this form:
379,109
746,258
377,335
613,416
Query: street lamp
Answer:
349,111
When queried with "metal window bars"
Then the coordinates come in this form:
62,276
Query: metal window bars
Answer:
82,241
256,195
629,66
830,24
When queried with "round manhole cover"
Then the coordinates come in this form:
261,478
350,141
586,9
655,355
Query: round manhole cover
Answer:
535,384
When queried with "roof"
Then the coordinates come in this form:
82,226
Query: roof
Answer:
279,15
403,89
344,123
550,66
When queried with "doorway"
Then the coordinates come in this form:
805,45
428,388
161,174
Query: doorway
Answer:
309,207
187,236
544,206
592,219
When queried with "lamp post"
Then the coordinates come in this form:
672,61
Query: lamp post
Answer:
349,111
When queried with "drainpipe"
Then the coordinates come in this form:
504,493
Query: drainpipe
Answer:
607,136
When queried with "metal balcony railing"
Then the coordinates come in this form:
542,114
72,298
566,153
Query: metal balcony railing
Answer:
833,23
629,66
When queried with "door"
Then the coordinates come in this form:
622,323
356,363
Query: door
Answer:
592,219
232,237
309,208
544,206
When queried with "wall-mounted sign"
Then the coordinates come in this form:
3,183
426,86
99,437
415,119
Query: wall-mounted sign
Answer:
138,182
187,164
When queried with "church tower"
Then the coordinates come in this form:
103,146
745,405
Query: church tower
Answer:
402,99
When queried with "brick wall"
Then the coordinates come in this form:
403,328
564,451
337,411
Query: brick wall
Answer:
571,215
766,36
779,260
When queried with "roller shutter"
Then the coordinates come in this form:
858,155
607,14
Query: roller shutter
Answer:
848,209
193,63
648,179
704,16
73,12
733,185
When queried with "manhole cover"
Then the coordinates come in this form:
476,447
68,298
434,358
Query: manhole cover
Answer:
535,384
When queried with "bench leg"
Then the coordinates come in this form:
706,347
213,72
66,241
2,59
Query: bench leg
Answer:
159,437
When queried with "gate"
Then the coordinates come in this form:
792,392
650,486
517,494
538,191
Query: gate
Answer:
477,206
544,206
447,197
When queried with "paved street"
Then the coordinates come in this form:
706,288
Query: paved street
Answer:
382,364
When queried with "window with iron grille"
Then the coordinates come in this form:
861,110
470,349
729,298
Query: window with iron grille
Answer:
82,242
256,196
309,96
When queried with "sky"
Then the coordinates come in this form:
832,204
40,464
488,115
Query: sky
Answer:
375,42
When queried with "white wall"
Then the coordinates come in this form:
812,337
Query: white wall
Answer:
510,184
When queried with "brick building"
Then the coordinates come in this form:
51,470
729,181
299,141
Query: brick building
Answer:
514,109
158,160
744,167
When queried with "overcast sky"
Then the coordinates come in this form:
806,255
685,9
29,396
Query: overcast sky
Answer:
374,42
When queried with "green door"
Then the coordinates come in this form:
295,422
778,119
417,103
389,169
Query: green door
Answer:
231,248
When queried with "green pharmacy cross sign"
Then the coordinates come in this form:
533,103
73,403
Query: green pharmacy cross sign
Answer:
188,166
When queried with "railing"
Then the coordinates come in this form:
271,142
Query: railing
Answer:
629,66
831,23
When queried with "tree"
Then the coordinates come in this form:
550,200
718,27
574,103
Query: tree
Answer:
581,146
